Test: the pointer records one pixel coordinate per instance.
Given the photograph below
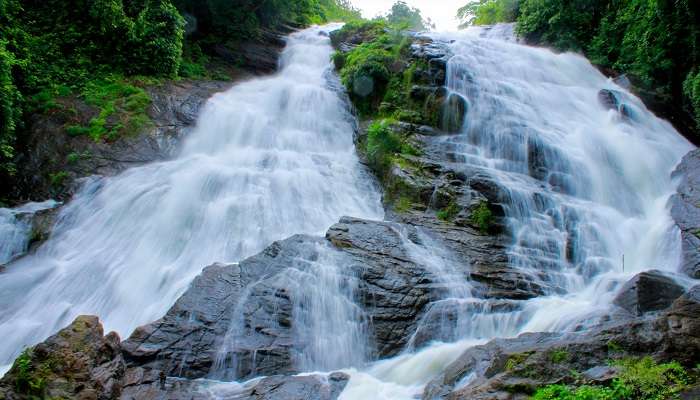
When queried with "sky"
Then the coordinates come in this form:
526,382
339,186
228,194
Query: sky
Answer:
442,12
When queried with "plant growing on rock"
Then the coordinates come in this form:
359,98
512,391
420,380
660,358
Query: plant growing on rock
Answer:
482,217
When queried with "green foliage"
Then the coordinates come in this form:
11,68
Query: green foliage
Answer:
514,360
58,178
567,25
639,379
449,213
559,356
27,381
382,144
402,16
482,217
655,42
10,99
122,108
488,12
691,90
651,381
156,39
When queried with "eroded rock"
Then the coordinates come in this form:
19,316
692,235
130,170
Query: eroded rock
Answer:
648,291
685,210
76,363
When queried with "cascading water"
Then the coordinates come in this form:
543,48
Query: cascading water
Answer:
269,158
16,229
581,186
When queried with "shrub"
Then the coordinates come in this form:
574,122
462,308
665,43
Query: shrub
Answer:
488,12
691,90
9,112
449,212
482,217
157,40
382,143
639,379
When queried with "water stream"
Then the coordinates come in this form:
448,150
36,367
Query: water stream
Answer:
581,186
270,158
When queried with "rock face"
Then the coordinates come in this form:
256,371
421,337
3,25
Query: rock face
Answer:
174,110
514,368
685,210
648,291
76,363
242,315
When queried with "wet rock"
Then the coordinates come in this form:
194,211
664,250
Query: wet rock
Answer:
76,363
685,210
308,387
609,99
648,291
255,298
514,368
453,113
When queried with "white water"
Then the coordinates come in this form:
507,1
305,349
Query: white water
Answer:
16,229
269,158
603,194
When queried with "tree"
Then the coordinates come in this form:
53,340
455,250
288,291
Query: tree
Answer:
488,12
405,17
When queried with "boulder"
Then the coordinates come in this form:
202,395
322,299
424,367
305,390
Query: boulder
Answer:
76,363
514,368
648,291
685,210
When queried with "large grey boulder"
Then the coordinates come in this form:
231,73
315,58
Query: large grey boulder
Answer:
685,210
648,291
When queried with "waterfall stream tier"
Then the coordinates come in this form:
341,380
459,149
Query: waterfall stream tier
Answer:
508,250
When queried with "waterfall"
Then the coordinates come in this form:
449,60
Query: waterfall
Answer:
581,185
269,158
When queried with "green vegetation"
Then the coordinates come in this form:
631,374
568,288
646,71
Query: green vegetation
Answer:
639,379
105,52
383,144
27,382
488,12
122,109
559,356
691,89
405,17
654,42
482,217
449,213
515,360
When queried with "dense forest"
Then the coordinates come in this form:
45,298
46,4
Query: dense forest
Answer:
105,51
654,42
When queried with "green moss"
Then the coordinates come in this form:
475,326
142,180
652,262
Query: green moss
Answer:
28,380
449,213
559,356
122,109
482,217
516,360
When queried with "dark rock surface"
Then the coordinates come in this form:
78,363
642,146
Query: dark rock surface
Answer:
648,291
76,363
308,387
685,210
392,289
174,110
513,368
